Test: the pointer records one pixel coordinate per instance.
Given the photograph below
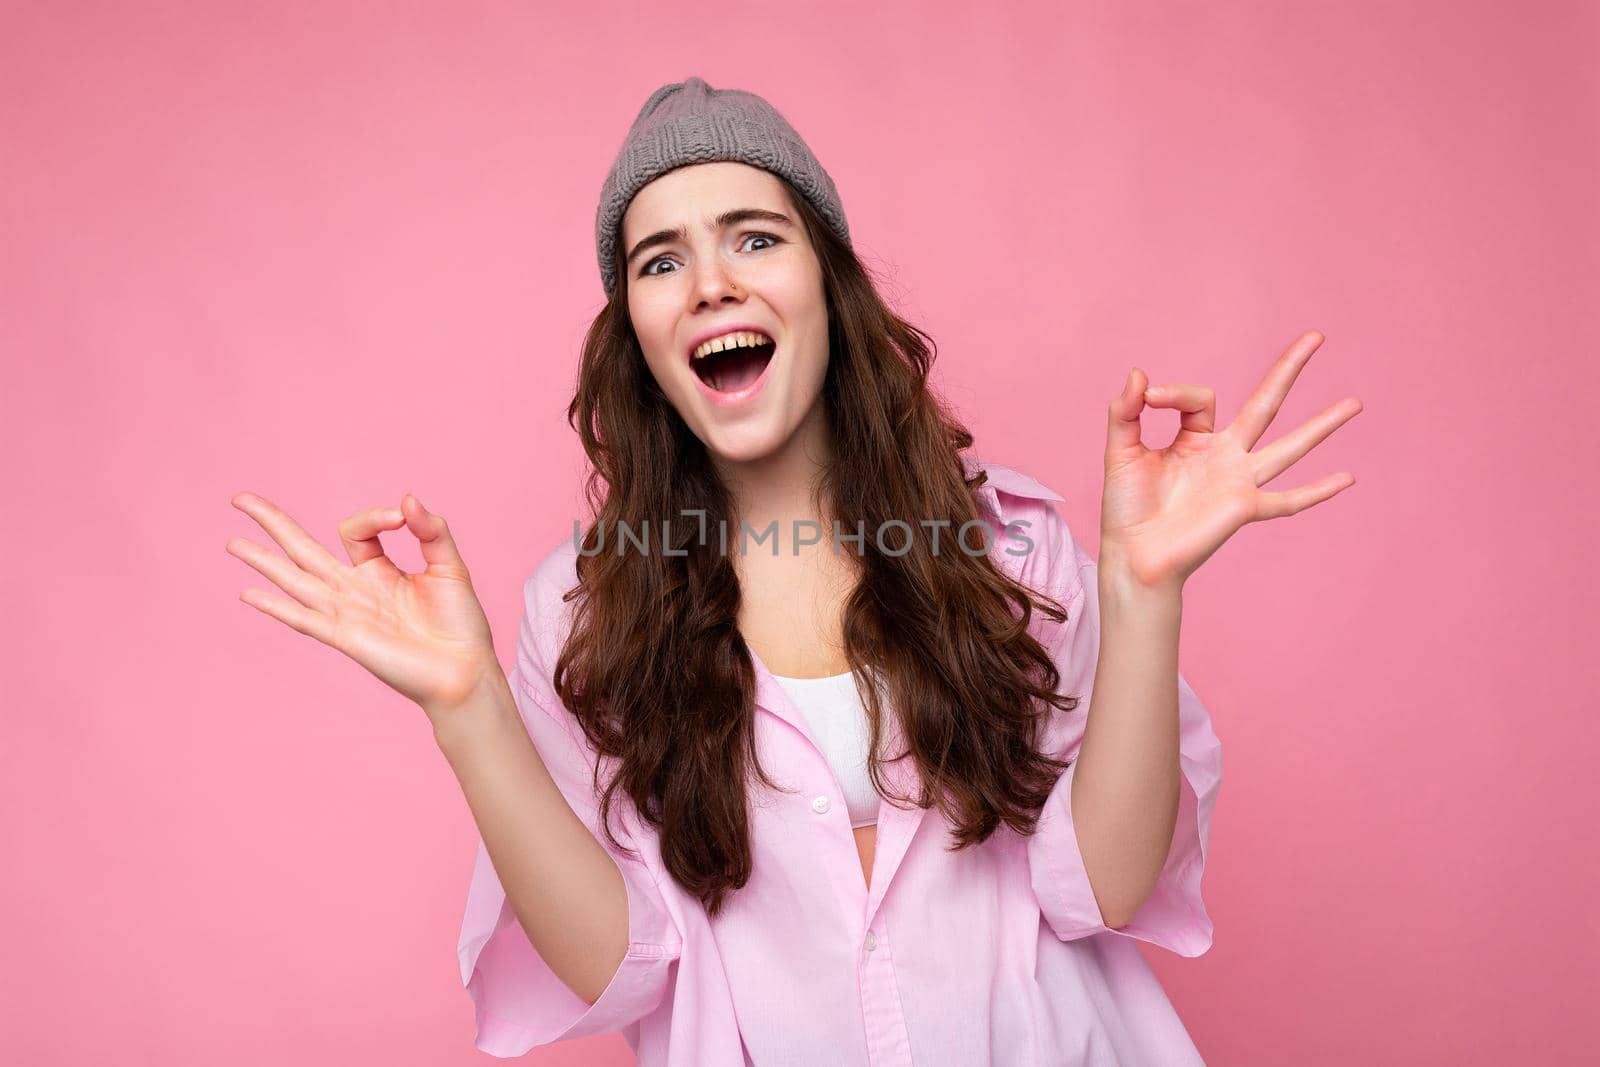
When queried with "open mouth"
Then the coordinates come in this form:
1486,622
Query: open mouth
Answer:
734,369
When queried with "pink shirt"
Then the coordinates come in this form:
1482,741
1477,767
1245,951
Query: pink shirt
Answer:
992,955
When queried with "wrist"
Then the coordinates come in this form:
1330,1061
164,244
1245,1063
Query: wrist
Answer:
1121,581
485,712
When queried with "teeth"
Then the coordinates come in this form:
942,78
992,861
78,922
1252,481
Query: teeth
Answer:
737,339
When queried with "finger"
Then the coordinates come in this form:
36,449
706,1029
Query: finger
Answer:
1288,450
438,547
1122,417
306,588
300,546
1294,501
295,616
359,532
1198,403
1263,404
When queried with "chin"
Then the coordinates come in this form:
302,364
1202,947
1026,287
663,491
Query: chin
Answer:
746,445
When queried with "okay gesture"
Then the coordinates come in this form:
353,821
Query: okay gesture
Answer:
1163,512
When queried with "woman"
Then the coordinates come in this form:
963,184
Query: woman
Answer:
796,762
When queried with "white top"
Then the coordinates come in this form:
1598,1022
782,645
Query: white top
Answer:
838,720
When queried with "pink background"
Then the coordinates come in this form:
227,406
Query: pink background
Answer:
333,253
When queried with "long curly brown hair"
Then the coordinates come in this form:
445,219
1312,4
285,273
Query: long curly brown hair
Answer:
654,667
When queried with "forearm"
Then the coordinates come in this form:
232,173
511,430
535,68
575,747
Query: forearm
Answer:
1125,787
561,883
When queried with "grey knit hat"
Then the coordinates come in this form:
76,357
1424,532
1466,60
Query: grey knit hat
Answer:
690,122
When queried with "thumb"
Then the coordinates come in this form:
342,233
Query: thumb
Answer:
1122,415
432,533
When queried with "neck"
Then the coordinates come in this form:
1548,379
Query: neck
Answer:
783,486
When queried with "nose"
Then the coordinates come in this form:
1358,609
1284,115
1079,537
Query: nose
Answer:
715,283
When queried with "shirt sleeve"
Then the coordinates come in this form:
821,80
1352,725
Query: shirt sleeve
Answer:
519,1001
1174,915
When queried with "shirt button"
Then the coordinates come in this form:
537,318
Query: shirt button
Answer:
821,805
872,941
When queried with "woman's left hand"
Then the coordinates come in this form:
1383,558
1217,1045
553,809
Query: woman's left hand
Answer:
1163,512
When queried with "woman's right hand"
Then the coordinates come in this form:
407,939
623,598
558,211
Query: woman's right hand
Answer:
424,635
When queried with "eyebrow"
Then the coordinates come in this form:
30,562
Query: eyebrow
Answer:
727,218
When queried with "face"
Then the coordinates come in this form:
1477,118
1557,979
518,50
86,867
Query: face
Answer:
725,273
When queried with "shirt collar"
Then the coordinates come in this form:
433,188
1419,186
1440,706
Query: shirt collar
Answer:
1003,480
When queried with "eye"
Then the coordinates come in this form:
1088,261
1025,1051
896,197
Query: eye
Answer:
763,237
645,271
